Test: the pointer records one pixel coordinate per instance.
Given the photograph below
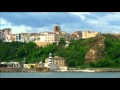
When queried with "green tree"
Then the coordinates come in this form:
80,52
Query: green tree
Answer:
62,42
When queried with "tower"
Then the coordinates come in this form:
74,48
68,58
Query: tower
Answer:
50,58
57,28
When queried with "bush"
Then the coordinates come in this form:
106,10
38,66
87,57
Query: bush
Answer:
104,62
32,66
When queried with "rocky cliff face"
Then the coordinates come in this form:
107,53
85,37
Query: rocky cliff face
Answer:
96,50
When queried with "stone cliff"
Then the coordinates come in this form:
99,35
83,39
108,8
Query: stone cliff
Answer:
96,50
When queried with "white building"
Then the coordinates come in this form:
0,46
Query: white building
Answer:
12,64
55,63
48,61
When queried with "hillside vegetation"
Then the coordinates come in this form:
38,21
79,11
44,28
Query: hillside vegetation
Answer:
100,51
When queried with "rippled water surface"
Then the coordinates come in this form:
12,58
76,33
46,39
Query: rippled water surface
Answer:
60,75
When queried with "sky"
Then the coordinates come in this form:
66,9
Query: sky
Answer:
36,22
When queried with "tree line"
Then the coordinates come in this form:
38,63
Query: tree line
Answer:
74,54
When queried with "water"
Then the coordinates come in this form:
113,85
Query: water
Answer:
60,75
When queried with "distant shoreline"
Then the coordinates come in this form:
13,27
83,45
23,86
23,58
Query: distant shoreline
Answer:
71,70
97,70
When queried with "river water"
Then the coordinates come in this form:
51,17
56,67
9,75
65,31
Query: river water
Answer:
60,75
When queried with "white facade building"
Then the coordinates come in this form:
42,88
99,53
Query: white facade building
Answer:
12,64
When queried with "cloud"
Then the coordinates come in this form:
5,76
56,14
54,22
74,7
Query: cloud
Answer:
112,17
39,19
80,14
4,22
68,21
15,29
116,32
104,23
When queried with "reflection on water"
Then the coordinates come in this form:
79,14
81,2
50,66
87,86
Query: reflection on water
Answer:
60,75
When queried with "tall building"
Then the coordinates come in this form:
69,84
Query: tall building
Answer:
4,33
57,29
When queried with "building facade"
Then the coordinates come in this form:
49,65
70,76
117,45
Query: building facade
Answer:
89,34
11,64
31,65
56,62
54,37
76,35
24,37
10,38
4,33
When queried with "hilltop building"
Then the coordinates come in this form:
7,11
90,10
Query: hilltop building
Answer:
76,35
57,29
89,34
52,37
45,38
4,33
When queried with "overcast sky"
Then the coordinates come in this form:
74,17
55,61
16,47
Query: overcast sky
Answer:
106,22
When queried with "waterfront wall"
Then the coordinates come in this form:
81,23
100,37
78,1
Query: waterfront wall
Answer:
10,69
42,69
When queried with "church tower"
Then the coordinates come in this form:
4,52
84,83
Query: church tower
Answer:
57,28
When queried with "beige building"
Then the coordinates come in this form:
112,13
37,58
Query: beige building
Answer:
59,61
31,65
43,44
4,33
89,34
46,38
53,37
76,35
10,38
